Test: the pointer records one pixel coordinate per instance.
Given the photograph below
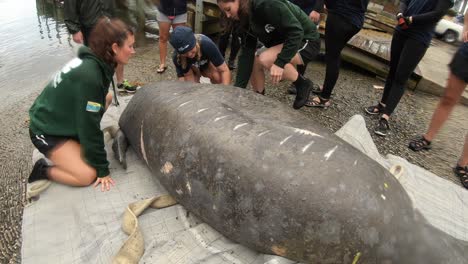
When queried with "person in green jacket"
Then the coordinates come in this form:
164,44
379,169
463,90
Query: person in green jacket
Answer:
289,36
80,18
65,118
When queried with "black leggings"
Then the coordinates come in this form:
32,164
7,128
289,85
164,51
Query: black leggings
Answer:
337,33
405,55
235,44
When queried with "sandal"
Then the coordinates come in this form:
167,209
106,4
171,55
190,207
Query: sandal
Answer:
462,173
419,144
262,92
161,69
375,109
318,102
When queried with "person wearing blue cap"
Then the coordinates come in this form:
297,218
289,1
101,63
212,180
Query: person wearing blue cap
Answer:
196,55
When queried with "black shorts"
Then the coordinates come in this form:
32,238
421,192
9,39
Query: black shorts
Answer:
45,144
459,66
309,50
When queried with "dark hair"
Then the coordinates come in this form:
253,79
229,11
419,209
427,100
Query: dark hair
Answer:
243,14
105,33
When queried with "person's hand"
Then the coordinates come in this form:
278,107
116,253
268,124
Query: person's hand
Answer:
465,35
276,73
78,37
314,16
105,182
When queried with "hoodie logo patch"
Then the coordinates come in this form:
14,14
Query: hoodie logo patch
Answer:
269,28
66,69
93,107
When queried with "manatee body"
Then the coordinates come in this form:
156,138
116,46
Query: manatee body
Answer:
265,176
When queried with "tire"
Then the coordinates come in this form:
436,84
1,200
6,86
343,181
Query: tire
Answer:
450,36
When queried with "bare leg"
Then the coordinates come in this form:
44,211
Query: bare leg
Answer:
69,168
265,60
108,100
177,25
464,157
453,92
163,38
212,73
257,80
193,75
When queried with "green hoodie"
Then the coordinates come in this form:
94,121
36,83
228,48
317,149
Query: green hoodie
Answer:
72,105
273,22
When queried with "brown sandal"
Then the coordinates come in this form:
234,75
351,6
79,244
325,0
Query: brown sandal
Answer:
162,69
375,109
462,173
419,144
321,102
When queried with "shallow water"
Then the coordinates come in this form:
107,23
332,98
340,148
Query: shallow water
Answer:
34,44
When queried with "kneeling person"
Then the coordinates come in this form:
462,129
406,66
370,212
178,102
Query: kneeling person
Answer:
197,55
65,118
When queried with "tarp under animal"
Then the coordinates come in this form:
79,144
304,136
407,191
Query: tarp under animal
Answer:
83,225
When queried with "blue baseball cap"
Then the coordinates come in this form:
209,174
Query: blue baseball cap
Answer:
182,39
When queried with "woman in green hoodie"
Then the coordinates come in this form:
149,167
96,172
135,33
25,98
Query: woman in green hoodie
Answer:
290,37
65,118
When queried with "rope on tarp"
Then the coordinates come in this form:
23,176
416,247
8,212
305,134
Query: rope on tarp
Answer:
133,248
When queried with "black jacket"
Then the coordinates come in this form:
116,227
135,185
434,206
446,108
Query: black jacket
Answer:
308,5
85,13
173,7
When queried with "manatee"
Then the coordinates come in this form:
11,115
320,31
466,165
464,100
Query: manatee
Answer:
269,178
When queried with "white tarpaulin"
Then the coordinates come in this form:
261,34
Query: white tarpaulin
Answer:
84,225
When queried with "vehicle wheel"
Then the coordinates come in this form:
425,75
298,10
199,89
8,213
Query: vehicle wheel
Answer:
450,36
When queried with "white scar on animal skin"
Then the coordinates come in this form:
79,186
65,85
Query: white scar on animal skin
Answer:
240,125
306,132
284,140
172,99
189,188
263,133
219,118
201,110
330,152
304,149
184,103
143,152
355,163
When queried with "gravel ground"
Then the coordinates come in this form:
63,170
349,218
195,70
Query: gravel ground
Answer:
353,92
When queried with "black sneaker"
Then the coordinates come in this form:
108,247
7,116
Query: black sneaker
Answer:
39,171
125,86
303,93
382,128
375,109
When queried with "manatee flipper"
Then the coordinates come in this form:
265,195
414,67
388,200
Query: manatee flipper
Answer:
119,146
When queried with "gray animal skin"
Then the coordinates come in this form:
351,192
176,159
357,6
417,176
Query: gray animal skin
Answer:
268,178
